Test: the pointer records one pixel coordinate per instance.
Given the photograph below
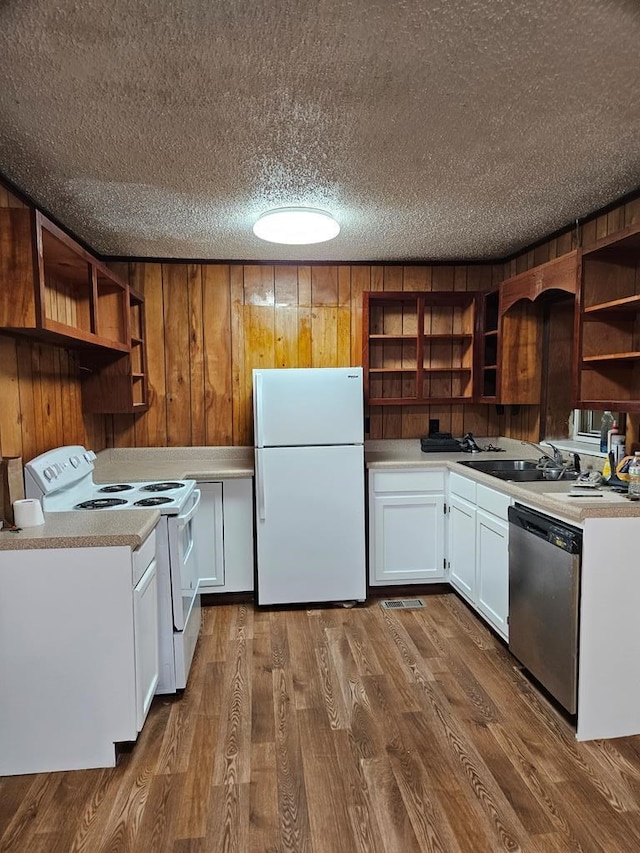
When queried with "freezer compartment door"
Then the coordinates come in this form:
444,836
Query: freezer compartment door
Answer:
310,524
308,406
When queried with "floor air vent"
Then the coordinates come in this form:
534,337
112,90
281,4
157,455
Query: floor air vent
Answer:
402,603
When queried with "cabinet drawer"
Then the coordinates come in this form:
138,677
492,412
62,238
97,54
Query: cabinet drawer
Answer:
408,481
463,487
491,501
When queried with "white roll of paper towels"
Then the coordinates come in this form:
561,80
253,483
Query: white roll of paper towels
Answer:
27,513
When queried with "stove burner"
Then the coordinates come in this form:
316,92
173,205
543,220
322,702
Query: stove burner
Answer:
153,501
100,503
116,487
161,487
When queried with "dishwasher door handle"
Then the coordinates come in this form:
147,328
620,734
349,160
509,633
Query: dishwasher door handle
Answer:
530,527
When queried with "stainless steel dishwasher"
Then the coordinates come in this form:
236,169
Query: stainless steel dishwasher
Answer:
544,593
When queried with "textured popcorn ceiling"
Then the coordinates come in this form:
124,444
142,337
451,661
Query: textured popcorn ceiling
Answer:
432,129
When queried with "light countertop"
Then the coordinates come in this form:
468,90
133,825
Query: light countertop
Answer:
130,527
173,463
546,495
84,530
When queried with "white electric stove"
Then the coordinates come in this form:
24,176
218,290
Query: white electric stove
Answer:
62,479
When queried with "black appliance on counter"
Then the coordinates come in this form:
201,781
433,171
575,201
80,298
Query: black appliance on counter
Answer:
440,442
443,442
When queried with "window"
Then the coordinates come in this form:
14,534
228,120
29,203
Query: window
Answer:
586,425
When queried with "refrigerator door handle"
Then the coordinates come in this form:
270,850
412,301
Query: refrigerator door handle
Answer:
262,513
258,414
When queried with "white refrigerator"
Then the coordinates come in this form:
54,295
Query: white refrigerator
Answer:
309,479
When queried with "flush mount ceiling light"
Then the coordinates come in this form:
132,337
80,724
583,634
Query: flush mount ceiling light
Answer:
296,226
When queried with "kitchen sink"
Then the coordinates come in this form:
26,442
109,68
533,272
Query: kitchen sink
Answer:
517,470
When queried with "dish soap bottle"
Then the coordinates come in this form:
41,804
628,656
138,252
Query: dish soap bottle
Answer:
634,475
605,425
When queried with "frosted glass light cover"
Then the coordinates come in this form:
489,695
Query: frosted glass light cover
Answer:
296,226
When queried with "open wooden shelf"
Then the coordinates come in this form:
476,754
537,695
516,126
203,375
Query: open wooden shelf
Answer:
488,355
376,370
382,338
613,356
59,292
627,303
512,330
119,386
608,364
408,401
446,369
418,347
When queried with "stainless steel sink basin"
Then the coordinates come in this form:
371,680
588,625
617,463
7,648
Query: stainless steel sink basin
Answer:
517,470
501,464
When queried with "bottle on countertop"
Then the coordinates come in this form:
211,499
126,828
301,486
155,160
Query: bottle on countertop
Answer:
617,445
610,434
605,425
634,475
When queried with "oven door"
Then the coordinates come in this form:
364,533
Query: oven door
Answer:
183,561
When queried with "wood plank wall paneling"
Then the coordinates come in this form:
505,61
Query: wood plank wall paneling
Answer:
208,325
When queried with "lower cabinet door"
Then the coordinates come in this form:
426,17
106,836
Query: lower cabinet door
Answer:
237,500
146,641
462,547
407,541
492,537
208,535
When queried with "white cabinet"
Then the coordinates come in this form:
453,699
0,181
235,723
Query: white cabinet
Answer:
407,512
146,634
478,548
225,536
492,569
461,556
406,526
209,537
78,652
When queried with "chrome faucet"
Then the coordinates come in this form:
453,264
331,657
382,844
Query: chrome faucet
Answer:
557,454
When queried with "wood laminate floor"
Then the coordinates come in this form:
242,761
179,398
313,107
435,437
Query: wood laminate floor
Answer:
333,730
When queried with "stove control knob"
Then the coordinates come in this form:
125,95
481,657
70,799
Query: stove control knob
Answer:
49,473
89,455
75,461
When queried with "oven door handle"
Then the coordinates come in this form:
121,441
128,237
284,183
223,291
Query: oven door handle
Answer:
183,520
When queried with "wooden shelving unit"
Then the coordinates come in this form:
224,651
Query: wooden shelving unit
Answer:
608,327
56,291
418,347
511,331
488,391
119,386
